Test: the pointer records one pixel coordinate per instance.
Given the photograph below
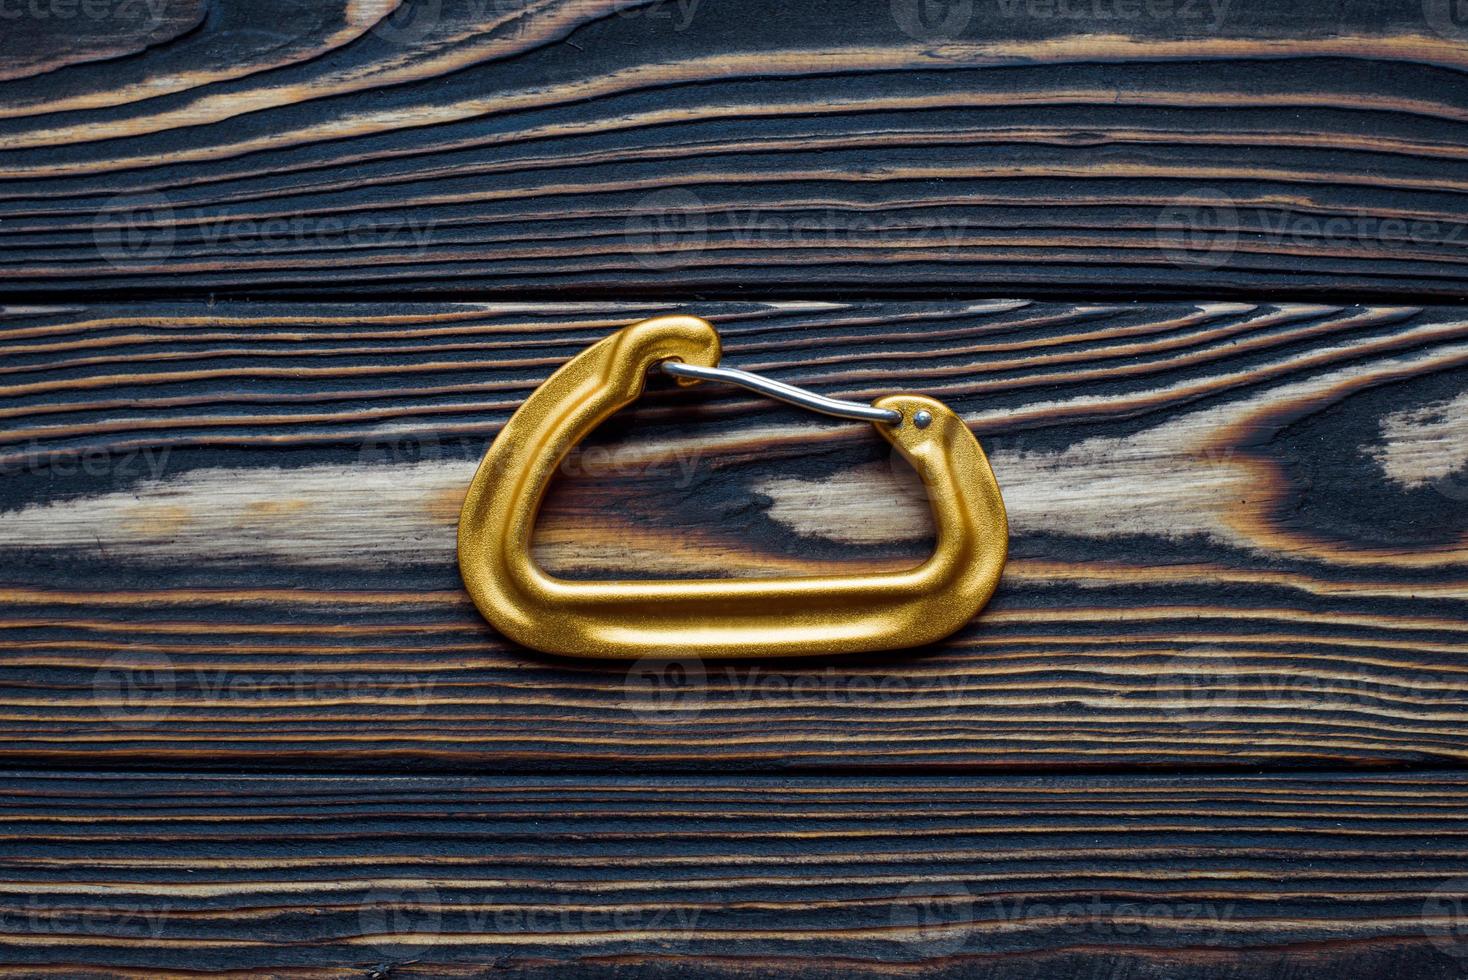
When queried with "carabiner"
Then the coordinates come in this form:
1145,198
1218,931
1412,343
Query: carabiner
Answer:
796,616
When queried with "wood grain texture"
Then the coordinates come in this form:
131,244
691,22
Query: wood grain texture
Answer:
41,37
1240,519
227,533
684,146
998,878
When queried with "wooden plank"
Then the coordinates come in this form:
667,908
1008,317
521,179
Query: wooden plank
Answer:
40,37
227,537
180,875
679,146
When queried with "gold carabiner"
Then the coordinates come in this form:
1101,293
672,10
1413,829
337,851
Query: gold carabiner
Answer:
717,617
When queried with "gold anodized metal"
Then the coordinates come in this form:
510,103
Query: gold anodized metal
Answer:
795,616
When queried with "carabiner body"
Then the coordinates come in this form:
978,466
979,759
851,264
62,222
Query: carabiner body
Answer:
792,616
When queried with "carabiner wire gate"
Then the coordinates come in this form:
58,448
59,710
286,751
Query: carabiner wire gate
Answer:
781,391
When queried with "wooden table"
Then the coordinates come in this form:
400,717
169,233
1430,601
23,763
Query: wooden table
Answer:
273,274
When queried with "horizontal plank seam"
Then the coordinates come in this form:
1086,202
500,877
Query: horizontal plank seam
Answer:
16,764
915,294
623,775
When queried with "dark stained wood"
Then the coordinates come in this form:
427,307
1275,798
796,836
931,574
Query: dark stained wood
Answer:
1240,518
681,147
1302,877
40,37
227,538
